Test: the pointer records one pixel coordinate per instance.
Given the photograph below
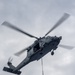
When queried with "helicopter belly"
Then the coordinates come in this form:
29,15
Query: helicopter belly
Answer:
42,52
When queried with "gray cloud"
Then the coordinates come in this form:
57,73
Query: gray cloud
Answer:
37,17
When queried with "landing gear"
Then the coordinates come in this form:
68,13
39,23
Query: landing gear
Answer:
52,53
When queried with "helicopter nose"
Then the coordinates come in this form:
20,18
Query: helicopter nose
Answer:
60,37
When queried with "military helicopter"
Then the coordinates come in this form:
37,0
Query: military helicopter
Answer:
39,48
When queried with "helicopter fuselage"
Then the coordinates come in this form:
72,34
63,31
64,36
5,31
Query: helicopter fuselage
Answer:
37,54
48,46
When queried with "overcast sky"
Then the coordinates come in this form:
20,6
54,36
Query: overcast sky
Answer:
37,17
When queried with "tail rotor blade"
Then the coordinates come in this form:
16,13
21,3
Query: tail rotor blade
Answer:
62,19
66,47
7,24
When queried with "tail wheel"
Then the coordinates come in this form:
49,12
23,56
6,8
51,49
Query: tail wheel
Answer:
52,53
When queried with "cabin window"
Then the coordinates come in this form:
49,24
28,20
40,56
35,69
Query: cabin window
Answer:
36,47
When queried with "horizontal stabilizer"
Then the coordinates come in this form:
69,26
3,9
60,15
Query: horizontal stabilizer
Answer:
11,70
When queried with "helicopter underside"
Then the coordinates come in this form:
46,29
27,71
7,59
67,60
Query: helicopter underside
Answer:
46,49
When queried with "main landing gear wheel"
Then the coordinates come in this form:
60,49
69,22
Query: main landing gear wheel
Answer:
52,53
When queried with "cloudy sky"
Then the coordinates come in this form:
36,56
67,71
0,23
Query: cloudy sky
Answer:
37,17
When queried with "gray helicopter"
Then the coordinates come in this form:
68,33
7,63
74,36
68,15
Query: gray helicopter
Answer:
39,48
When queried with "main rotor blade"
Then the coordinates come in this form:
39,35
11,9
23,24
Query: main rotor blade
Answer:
61,20
66,47
17,29
20,52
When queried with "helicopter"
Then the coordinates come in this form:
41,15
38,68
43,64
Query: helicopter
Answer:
39,48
